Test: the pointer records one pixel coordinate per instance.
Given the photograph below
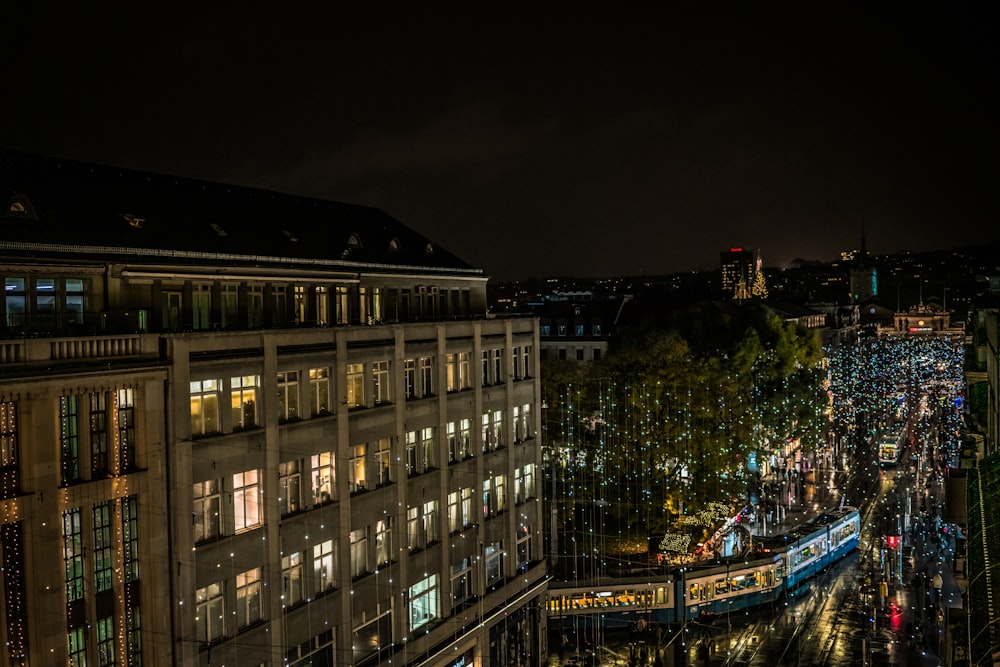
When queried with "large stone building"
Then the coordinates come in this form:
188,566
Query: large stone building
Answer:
239,427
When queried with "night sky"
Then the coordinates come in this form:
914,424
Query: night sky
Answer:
541,143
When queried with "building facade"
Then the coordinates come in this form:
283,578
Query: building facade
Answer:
738,273
247,428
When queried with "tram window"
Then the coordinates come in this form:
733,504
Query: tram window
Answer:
721,586
738,583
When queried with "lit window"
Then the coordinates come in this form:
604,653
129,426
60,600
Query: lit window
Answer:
359,552
451,364
452,435
358,469
454,512
210,613
103,547
291,575
429,449
465,438
424,602
73,558
323,474
411,453
467,514
341,305
429,522
14,296
494,563
409,378
319,391
69,440
464,371
288,396
355,385
426,376
289,487
125,400
322,306
10,477
498,429
383,541
248,604
299,304
205,407
324,563
74,303
207,524
246,500
380,382
244,401
382,459
500,490
414,538
77,647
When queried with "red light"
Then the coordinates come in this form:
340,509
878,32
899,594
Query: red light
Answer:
892,541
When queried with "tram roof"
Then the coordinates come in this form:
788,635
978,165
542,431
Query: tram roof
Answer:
784,540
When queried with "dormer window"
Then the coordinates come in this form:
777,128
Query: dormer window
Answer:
291,237
353,242
134,221
429,249
218,229
20,206
394,245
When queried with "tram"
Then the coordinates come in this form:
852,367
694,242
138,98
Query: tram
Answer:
891,446
782,567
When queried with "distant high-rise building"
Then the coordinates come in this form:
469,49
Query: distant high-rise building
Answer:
863,276
737,272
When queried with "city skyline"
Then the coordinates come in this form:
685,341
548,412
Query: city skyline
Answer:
588,146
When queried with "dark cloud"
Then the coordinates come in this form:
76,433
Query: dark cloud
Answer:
539,144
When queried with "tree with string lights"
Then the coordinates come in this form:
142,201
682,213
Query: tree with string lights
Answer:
664,426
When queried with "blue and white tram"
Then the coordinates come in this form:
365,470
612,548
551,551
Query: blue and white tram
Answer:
616,604
722,587
731,587
891,446
816,545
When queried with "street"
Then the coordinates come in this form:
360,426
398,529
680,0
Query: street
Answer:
885,604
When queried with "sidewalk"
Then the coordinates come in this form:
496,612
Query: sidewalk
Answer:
934,571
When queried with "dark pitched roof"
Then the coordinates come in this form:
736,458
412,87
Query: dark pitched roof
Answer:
790,309
73,207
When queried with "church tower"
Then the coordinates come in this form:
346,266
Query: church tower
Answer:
863,276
